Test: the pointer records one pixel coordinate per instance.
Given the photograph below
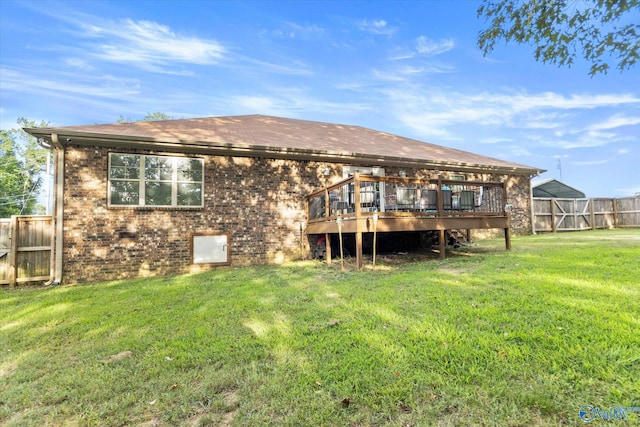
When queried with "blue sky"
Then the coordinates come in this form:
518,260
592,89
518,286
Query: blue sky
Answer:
409,68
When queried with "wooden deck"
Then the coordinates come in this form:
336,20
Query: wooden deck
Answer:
377,204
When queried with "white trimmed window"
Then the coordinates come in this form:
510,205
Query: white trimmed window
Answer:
163,181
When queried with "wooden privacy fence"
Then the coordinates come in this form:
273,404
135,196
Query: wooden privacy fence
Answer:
585,214
25,249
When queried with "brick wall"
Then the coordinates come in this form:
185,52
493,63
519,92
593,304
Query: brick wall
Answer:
259,202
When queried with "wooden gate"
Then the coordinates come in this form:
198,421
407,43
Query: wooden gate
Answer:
25,249
585,214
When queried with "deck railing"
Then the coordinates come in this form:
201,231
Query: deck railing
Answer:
361,195
364,203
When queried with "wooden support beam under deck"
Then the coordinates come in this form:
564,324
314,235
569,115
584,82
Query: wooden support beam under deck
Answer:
359,250
507,238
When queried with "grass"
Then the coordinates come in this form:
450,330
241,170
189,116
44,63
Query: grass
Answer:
486,337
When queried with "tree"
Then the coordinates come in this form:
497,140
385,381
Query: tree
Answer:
156,116
602,31
22,162
149,117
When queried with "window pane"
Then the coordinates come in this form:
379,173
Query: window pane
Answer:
189,194
125,193
157,193
158,168
190,170
161,185
125,166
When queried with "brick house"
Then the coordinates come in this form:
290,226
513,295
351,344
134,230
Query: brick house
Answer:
153,198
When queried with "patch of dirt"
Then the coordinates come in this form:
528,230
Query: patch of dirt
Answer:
119,356
452,271
231,398
151,423
11,367
228,418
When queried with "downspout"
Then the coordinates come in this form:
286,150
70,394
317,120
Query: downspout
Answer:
58,206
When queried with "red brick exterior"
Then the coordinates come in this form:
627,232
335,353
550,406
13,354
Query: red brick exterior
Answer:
259,202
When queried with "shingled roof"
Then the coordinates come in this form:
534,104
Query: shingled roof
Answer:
276,137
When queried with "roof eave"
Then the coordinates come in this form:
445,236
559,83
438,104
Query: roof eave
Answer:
66,137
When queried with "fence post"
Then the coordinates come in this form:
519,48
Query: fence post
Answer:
13,251
616,219
592,213
553,215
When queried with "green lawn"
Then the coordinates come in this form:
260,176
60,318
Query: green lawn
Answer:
486,337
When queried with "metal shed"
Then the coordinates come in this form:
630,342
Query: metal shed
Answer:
555,189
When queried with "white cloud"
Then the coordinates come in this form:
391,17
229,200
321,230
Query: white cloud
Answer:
494,140
388,76
377,27
149,44
427,47
615,121
146,44
292,68
519,151
79,64
292,30
102,86
587,140
590,162
291,103
255,103
407,73
557,118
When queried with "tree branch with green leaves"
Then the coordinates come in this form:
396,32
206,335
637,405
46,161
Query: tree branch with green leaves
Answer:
606,33
22,162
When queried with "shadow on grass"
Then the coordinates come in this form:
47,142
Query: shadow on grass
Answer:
495,337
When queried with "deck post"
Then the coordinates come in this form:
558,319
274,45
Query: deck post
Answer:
507,230
442,243
375,232
339,222
327,205
356,195
327,252
507,238
439,197
359,250
358,211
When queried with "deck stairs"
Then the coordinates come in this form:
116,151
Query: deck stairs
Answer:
457,238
